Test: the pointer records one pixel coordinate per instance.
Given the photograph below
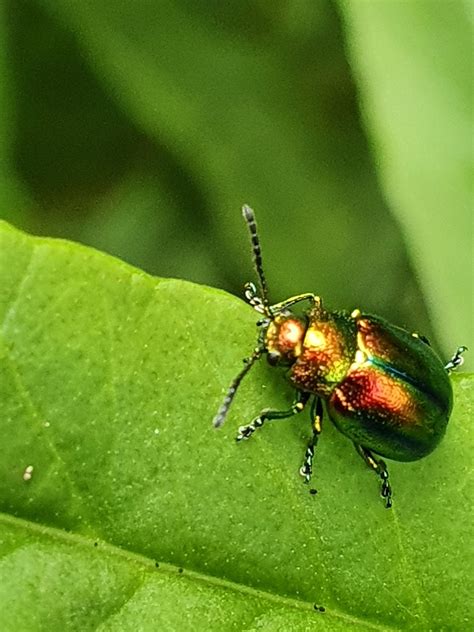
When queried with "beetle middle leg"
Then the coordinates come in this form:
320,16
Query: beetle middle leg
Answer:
380,468
298,405
316,420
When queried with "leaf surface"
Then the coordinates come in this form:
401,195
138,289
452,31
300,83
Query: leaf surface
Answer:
109,380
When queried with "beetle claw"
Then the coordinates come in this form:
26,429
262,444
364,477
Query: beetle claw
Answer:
305,472
386,491
247,431
244,433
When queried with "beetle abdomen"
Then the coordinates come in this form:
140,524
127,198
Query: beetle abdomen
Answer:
387,402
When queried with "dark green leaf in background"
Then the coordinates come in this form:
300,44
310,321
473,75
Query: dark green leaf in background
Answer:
109,379
14,202
216,104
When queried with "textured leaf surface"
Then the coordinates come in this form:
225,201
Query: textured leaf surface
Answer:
109,380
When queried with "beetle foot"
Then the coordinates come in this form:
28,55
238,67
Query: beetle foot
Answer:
306,469
386,491
247,431
457,360
305,472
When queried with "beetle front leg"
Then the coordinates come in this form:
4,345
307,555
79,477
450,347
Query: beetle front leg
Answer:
284,305
298,405
380,468
316,420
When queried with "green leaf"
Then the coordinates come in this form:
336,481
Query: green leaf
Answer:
109,380
413,62
13,198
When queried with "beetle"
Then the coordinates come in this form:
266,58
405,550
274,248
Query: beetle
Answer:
384,388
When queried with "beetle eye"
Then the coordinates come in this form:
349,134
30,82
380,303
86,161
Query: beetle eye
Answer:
273,357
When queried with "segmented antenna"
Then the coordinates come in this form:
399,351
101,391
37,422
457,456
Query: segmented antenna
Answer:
257,254
260,303
224,409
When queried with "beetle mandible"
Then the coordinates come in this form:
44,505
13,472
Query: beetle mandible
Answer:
384,387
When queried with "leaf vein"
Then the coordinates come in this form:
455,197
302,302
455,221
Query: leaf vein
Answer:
36,417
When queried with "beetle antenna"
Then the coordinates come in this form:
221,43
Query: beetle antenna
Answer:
249,217
224,408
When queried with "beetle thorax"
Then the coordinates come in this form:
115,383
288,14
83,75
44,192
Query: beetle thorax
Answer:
284,339
328,350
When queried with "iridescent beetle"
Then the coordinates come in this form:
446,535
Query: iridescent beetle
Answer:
384,388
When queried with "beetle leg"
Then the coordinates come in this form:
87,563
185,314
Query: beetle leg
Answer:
298,405
456,360
380,468
280,307
316,419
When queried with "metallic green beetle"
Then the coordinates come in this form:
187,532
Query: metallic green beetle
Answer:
384,388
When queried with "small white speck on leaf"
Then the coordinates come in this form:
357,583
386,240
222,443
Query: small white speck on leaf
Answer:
28,473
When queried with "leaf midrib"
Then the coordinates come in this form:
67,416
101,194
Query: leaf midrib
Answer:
149,565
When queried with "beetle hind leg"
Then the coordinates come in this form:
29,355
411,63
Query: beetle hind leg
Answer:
456,361
380,468
298,405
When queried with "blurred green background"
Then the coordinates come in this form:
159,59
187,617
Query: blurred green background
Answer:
140,127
